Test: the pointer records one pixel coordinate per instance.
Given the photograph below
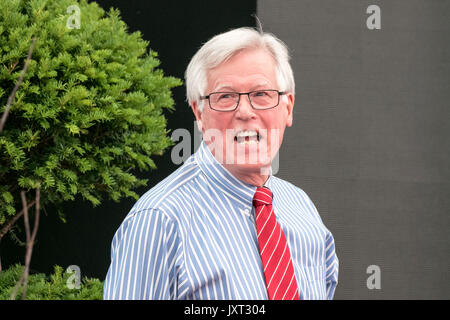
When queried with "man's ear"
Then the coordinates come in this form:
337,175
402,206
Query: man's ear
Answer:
197,114
290,108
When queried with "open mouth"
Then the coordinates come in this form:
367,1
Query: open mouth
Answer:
247,137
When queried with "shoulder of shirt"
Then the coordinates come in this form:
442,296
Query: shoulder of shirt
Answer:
168,190
299,194
290,187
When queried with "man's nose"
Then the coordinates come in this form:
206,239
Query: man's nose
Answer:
245,109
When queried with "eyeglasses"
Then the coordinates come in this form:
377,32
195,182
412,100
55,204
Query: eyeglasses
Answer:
229,101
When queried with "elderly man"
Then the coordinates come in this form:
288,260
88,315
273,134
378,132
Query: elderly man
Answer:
222,226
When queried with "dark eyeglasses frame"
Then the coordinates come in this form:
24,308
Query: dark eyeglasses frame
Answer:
239,99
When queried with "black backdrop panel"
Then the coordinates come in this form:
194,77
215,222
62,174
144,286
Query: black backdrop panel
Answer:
175,30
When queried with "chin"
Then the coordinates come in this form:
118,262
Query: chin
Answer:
246,168
243,156
251,163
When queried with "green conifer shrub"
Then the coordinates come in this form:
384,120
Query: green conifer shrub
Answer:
57,286
89,110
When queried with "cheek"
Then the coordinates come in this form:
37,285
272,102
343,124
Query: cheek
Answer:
208,121
216,125
275,121
275,129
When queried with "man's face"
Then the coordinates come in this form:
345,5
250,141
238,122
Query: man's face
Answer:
231,135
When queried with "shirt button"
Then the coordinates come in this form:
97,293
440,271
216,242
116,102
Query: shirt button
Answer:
245,211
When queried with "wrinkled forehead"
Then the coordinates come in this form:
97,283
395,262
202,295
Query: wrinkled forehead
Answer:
249,68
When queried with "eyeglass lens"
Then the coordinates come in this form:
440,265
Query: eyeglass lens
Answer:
263,99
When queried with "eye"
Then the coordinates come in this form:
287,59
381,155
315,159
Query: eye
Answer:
261,94
226,95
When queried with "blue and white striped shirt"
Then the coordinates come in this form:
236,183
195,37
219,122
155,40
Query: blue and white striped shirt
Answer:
193,236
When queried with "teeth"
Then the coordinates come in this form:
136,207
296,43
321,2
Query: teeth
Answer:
247,137
247,133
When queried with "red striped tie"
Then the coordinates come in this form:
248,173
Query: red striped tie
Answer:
275,255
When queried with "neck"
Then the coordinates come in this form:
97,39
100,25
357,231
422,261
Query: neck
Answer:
256,178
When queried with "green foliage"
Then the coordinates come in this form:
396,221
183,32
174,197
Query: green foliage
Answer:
41,287
89,110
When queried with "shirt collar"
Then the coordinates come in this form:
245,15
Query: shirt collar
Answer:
223,179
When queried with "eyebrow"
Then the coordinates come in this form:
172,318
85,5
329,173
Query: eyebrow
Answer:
228,87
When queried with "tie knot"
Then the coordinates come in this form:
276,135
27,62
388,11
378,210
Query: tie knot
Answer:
263,196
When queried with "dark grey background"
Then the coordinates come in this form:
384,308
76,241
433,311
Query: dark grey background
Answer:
370,142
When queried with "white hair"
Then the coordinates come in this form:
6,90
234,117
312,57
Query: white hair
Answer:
222,47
